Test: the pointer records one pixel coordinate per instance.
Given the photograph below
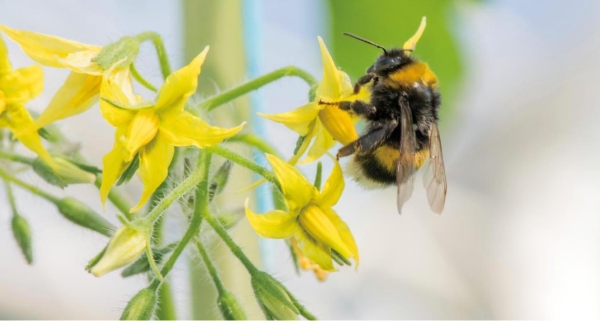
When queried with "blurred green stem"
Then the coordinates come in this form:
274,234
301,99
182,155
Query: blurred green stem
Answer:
210,267
161,52
253,140
139,78
233,93
30,188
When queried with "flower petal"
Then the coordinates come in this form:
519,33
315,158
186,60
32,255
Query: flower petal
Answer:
17,119
2,102
115,116
275,224
344,233
113,164
122,78
297,191
330,88
180,85
79,93
316,252
23,84
45,49
339,124
142,129
185,129
82,62
323,143
334,186
5,66
155,159
318,226
298,120
411,43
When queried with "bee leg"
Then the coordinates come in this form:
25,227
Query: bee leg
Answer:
358,107
368,142
363,81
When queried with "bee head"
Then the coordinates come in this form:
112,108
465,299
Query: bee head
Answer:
390,61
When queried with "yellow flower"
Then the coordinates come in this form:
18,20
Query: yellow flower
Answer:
83,85
325,123
16,88
312,222
152,130
306,264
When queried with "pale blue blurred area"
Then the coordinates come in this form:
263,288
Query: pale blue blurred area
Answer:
518,238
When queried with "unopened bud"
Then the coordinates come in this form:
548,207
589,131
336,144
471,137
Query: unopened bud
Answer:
123,248
219,180
22,234
142,265
118,54
273,298
230,308
63,174
80,214
141,306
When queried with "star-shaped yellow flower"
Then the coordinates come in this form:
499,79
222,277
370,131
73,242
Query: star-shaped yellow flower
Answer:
16,88
83,85
312,222
152,130
325,123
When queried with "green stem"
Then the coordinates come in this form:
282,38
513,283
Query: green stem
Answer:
235,249
203,167
166,311
210,267
241,160
30,188
165,66
255,141
16,158
152,262
11,198
233,93
117,199
139,78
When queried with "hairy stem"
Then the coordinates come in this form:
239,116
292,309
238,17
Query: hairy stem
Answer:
210,267
30,188
161,52
139,78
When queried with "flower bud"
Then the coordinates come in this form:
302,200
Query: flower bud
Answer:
273,298
118,54
141,306
63,174
229,219
230,308
22,234
219,180
320,227
123,248
82,215
142,265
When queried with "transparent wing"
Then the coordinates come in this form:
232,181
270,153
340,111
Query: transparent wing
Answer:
405,169
434,179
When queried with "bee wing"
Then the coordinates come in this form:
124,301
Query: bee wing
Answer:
434,179
405,169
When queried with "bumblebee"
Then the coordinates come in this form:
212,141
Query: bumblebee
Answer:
402,131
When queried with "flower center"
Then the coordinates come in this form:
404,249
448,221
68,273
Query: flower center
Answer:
141,131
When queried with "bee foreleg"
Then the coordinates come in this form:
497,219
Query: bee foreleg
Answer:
358,107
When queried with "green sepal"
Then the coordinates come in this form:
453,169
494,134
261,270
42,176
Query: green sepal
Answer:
219,180
230,307
130,171
141,306
318,176
80,214
22,234
299,144
118,54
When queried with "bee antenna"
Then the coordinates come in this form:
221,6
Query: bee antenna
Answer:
365,41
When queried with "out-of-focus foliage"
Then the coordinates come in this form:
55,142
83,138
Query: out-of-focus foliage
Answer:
390,23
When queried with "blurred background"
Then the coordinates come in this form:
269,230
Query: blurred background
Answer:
520,232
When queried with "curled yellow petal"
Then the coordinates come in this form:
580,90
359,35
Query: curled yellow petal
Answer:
316,252
76,95
113,165
334,186
17,119
344,233
319,226
329,89
155,159
113,115
299,120
23,84
2,102
323,142
5,66
45,49
141,131
275,224
297,191
185,129
411,43
180,85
